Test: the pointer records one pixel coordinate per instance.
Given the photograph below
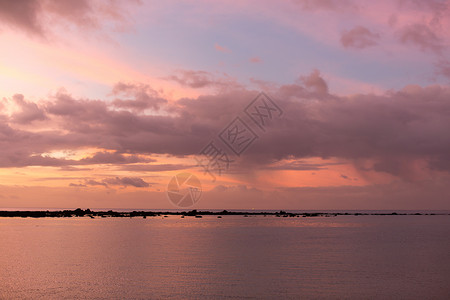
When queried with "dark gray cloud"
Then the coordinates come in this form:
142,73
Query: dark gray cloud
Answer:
203,79
385,133
94,183
29,111
142,96
126,181
443,68
299,165
22,14
113,181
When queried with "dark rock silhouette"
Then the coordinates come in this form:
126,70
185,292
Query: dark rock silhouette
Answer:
194,213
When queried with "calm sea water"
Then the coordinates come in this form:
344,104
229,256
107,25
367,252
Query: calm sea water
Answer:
357,257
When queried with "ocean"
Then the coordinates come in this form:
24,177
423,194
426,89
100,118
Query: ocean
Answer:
233,257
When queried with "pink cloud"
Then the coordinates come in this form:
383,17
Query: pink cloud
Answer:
315,82
359,37
142,96
37,17
221,48
155,167
332,5
29,111
115,158
443,68
422,36
203,79
255,59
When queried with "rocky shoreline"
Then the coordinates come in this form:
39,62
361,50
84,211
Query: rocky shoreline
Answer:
193,213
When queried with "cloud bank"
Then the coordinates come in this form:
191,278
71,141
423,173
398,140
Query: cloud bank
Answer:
389,133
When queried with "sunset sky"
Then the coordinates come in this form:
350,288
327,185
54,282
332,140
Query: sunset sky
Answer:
103,102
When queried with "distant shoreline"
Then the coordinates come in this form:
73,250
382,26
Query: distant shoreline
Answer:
192,213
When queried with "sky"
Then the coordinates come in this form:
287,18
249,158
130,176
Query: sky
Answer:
343,104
